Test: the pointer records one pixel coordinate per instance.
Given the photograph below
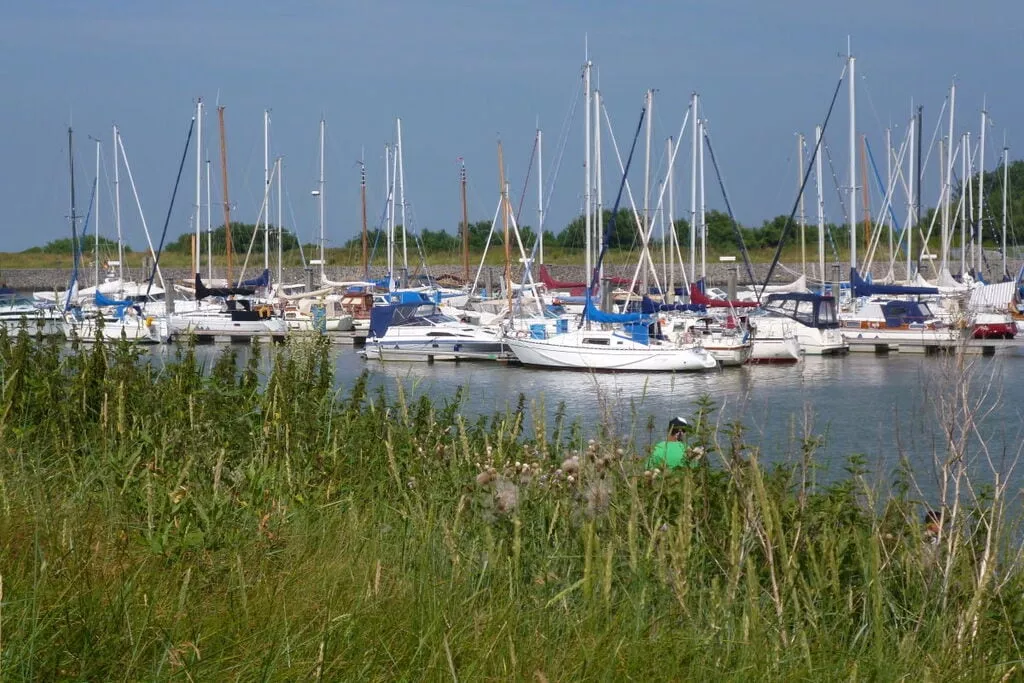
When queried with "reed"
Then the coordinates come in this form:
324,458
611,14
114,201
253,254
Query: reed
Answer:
255,521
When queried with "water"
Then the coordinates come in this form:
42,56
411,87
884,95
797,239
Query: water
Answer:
882,407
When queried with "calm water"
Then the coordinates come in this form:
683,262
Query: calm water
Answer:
879,406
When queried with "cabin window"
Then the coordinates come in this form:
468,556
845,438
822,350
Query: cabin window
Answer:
440,334
599,341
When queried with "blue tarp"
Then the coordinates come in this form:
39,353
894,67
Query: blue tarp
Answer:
863,288
263,280
594,314
102,300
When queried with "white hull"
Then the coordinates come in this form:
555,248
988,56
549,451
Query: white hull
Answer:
137,330
813,341
618,353
224,326
903,339
730,355
775,350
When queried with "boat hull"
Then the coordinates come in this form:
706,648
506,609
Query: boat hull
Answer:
550,353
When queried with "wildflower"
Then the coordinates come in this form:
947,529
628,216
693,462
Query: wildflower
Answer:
178,494
571,465
598,497
411,483
484,478
506,497
571,479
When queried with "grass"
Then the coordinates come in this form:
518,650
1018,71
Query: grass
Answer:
255,521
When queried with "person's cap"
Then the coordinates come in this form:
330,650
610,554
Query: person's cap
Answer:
678,424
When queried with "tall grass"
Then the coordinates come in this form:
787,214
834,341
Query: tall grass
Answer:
222,523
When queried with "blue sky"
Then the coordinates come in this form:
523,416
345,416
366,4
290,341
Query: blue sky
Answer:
462,75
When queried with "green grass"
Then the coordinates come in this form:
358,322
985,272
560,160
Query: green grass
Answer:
243,523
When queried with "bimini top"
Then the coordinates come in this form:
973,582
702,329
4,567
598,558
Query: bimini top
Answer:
813,310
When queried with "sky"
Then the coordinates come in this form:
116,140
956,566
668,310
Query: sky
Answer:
463,76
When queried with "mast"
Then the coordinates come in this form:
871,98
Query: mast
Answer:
389,227
96,212
74,217
671,227
465,222
587,224
117,204
702,215
209,223
853,162
199,186
981,196
821,210
944,258
598,180
1006,187
504,225
965,204
693,190
320,199
911,215
280,224
645,254
401,189
366,242
890,190
266,185
540,196
224,180
666,223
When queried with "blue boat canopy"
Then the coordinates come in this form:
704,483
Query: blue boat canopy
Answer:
861,287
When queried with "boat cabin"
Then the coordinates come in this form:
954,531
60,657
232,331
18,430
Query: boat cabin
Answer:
813,310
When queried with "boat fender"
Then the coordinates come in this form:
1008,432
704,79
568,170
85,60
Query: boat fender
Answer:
149,320
264,311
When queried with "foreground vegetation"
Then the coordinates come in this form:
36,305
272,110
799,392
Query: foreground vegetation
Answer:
257,522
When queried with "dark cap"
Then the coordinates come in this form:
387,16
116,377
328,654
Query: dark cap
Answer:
678,424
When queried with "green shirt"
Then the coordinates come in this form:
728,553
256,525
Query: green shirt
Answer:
670,454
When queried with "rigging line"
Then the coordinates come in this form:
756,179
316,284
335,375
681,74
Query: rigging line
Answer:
526,183
76,246
842,204
728,207
563,142
170,207
615,210
807,175
935,134
295,231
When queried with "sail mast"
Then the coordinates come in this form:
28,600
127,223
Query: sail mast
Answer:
853,161
362,195
645,254
693,190
504,224
209,222
465,223
96,220
587,219
965,205
224,180
117,203
280,225
540,194
198,248
1006,187
821,210
401,197
266,186
981,195
320,199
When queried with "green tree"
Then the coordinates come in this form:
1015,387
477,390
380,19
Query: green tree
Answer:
241,236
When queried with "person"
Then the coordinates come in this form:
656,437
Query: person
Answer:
672,452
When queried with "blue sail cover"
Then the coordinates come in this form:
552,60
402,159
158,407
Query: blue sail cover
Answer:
594,314
263,280
102,300
864,288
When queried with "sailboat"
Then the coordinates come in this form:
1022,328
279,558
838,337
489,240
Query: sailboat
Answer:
610,341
